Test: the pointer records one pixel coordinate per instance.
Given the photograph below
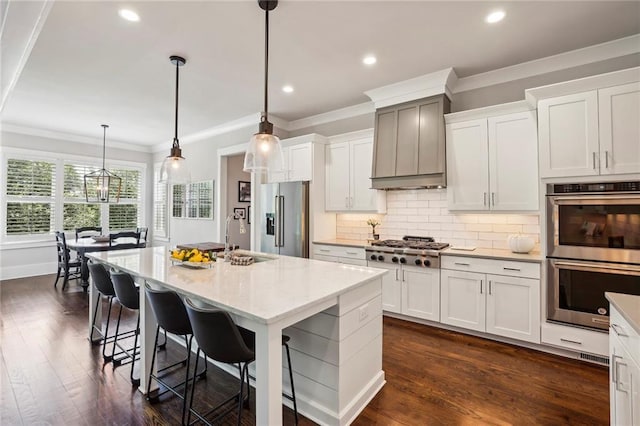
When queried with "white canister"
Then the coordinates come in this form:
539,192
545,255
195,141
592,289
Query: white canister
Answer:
520,243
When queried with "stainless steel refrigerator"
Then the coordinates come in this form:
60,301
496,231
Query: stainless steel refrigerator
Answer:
284,220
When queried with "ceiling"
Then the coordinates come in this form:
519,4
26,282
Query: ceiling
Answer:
89,66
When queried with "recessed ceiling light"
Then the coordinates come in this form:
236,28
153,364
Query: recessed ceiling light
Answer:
287,89
495,16
129,15
369,60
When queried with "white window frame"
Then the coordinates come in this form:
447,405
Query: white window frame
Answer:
60,159
186,197
158,233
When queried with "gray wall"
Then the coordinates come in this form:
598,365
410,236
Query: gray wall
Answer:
234,175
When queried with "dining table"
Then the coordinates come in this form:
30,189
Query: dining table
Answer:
89,245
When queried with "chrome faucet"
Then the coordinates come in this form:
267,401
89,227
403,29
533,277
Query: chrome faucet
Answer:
227,246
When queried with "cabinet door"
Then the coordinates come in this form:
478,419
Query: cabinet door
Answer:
281,176
620,383
513,162
568,135
391,288
421,293
467,166
363,198
431,142
407,138
386,138
300,162
337,177
462,300
513,307
619,114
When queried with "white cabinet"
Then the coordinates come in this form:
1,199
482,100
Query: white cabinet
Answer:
298,164
492,163
590,133
348,172
493,296
411,291
340,254
624,371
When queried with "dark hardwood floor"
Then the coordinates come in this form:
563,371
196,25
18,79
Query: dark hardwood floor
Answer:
51,374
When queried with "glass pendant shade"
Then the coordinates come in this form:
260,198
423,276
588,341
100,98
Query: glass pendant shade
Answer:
263,154
101,184
174,170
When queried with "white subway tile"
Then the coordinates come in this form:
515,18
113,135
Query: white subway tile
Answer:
396,204
524,219
429,212
507,228
427,195
531,229
429,226
438,204
478,227
480,243
453,226
492,218
441,219
416,203
497,244
492,236
465,218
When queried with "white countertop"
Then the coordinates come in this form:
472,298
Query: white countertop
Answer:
628,305
344,243
265,291
495,254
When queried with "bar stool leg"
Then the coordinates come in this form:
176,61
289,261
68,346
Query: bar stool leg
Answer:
106,357
293,391
153,361
135,382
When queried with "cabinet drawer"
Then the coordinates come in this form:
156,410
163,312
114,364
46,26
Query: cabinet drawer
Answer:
491,266
576,339
627,335
339,251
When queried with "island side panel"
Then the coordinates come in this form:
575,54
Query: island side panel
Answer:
337,356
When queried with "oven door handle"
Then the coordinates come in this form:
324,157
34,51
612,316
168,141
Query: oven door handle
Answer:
625,269
594,199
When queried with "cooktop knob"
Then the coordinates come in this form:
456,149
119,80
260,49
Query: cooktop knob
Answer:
394,259
419,262
427,262
403,260
380,258
374,257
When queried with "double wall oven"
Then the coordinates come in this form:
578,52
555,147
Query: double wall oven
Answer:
593,246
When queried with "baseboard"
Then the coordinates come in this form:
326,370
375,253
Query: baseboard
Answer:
30,270
359,403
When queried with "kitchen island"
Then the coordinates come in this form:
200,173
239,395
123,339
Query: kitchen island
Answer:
333,314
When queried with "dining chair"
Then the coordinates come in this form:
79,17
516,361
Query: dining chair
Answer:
125,239
222,340
67,267
171,316
88,231
143,230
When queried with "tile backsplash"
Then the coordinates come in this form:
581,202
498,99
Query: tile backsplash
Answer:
424,212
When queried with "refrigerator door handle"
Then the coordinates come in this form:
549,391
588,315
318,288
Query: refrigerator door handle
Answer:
277,223
281,219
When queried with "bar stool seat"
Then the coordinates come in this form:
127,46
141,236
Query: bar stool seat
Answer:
129,296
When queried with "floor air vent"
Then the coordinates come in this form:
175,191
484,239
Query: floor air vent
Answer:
594,358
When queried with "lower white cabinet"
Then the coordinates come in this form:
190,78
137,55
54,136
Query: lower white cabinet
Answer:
504,305
624,372
340,254
411,291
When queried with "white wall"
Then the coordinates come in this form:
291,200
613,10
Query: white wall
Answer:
424,212
234,175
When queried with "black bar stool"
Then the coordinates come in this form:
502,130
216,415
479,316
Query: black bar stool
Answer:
103,284
222,340
129,296
172,317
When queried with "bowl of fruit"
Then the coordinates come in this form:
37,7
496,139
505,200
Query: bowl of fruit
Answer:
193,258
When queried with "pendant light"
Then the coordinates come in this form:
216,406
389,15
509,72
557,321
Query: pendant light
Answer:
174,168
264,152
98,185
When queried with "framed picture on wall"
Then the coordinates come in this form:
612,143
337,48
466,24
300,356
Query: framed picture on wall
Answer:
239,213
244,192
249,214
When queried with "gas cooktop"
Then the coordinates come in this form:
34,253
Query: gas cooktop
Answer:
420,251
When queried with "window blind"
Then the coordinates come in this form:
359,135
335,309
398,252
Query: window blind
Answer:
159,206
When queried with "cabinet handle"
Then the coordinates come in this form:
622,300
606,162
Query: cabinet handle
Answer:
484,198
489,287
594,159
396,275
511,269
403,275
562,339
617,329
325,250
461,264
480,286
351,202
352,252
346,202
606,159
493,199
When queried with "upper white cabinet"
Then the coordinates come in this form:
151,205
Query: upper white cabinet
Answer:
298,164
589,127
492,161
348,173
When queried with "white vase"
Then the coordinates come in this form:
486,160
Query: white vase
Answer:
520,243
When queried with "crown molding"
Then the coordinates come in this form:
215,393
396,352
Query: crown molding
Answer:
489,111
352,136
70,137
431,84
573,58
331,116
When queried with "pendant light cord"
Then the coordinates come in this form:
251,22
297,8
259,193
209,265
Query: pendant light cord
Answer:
266,60
175,137
104,138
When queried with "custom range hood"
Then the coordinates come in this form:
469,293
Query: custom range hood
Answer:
409,141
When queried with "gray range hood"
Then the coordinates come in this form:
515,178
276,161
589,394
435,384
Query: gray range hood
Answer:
409,140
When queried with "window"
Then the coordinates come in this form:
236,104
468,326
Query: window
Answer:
194,200
30,197
160,224
43,195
